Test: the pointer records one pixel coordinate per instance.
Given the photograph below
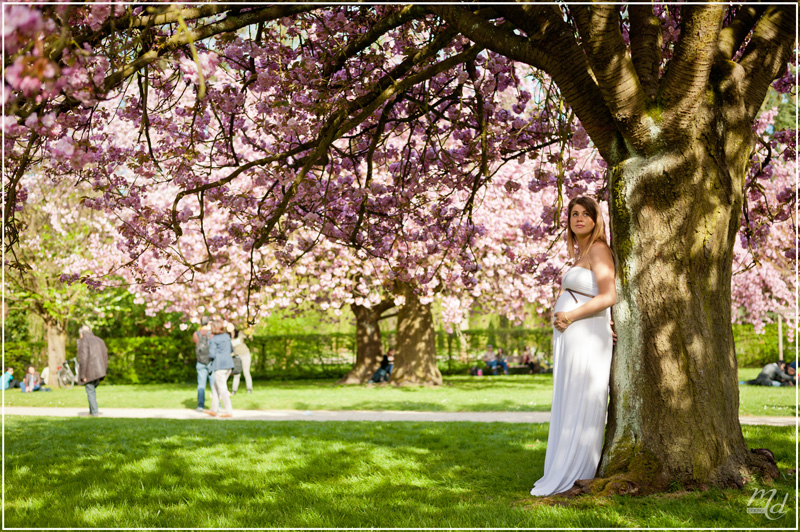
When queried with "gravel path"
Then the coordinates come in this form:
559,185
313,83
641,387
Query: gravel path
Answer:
333,415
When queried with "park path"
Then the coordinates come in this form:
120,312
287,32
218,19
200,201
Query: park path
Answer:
332,415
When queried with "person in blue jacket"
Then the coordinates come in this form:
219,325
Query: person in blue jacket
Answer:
220,352
8,378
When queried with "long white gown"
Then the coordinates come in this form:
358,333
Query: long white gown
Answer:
581,370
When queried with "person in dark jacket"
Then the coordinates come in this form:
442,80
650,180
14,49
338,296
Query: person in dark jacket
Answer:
774,374
385,370
92,365
220,352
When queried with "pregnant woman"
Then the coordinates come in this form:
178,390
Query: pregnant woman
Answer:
582,344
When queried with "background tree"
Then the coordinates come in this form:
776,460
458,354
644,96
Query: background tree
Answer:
61,244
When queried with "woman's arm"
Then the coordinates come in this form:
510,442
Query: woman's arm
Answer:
603,267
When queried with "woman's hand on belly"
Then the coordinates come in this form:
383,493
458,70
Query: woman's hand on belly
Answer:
560,322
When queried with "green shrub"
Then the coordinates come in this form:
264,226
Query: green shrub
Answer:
307,356
296,356
130,360
150,359
20,355
756,350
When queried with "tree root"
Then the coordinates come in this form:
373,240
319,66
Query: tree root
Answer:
760,462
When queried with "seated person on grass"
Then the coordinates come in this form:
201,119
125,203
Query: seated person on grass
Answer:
501,361
8,379
774,374
385,371
489,359
32,382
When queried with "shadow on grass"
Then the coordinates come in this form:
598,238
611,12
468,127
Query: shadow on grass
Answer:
111,472
213,473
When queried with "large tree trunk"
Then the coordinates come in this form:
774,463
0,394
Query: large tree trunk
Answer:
56,350
368,344
415,361
674,412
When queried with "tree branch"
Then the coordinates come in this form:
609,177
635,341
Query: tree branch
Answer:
646,41
376,137
550,46
178,40
383,26
614,71
227,179
767,54
683,86
732,37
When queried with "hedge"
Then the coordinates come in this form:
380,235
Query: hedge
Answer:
302,356
130,360
756,350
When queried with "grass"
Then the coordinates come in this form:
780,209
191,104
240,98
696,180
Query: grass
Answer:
73,472
459,394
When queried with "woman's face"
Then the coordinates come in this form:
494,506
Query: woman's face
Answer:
580,221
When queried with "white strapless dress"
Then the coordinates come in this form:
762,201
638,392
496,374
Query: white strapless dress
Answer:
581,370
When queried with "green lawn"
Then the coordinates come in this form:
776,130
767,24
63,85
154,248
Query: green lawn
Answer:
80,472
459,394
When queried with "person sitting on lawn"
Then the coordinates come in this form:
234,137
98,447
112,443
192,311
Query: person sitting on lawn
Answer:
8,378
32,382
490,359
500,358
531,361
774,374
385,371
494,360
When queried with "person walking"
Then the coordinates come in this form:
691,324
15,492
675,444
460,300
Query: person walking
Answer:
92,365
221,353
241,350
203,366
582,348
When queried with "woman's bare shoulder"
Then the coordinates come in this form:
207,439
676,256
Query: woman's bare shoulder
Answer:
600,251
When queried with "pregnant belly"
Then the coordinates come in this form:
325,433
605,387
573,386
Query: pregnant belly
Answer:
567,303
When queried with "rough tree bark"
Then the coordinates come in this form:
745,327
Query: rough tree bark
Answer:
415,361
674,414
56,349
368,342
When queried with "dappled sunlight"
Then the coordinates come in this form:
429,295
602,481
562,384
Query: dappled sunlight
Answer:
235,474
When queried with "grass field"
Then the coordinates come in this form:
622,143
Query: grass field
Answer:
459,394
79,472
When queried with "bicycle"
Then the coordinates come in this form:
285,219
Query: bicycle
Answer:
66,377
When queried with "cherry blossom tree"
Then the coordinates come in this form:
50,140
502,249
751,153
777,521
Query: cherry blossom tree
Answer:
765,252
54,269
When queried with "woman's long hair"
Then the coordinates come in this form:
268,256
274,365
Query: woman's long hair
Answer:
599,232
218,327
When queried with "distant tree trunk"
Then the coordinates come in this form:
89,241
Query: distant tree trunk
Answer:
674,412
368,342
56,349
415,361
